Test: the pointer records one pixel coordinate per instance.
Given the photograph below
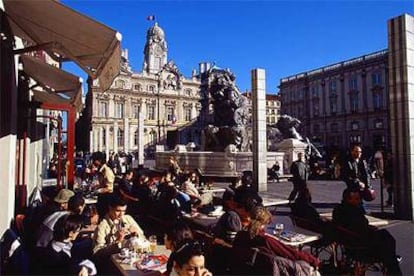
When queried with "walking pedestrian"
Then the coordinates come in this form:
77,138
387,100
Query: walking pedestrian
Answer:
300,171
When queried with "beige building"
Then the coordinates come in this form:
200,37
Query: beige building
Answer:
273,107
342,103
159,101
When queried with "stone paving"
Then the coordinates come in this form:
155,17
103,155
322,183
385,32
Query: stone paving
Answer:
326,194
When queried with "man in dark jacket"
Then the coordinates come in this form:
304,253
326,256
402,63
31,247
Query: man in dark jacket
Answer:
300,171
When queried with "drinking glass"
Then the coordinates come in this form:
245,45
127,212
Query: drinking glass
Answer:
153,243
278,229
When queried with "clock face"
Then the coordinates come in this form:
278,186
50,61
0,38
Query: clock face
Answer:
158,50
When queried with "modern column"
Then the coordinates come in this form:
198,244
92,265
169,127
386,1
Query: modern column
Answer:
115,140
401,93
107,145
258,77
141,141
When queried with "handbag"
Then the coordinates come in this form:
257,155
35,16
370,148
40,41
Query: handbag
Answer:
368,194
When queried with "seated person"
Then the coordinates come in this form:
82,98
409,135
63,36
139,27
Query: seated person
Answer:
302,208
56,258
112,231
198,199
70,204
189,260
179,234
237,205
125,186
350,215
255,236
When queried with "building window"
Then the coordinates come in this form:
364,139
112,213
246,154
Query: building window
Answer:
103,109
354,125
333,105
377,99
136,137
353,83
135,111
153,137
315,91
355,138
119,110
316,109
378,123
120,137
187,114
376,78
332,87
151,112
151,88
267,120
137,87
188,92
334,127
353,99
170,113
103,137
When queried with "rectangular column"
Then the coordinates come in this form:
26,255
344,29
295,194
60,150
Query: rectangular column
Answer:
107,143
258,78
115,136
141,141
401,95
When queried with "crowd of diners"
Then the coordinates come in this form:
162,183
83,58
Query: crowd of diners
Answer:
127,207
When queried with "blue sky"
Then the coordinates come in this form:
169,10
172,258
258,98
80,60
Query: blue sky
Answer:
282,37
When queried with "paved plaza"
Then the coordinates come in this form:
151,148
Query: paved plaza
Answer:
326,194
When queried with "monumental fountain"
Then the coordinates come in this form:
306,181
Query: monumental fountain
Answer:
227,142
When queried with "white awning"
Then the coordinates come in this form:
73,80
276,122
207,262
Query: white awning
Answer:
59,87
67,35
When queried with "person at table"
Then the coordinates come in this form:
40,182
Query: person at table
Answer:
351,216
179,234
125,186
255,237
56,258
302,208
189,260
198,199
111,233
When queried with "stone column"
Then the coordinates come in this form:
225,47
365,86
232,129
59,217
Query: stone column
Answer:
258,77
91,145
126,134
100,138
141,141
107,143
115,136
401,93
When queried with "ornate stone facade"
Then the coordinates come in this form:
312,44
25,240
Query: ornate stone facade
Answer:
168,101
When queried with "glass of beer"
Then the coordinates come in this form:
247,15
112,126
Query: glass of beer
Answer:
152,243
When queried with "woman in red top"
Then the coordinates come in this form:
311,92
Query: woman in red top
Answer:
255,236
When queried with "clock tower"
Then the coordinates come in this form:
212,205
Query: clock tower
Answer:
155,52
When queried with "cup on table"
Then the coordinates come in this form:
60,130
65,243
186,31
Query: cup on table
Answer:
152,243
278,229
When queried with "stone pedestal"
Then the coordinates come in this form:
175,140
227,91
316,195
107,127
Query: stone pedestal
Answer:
291,147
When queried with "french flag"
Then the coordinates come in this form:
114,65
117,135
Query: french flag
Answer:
151,17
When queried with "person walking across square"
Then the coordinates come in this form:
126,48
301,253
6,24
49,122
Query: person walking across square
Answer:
300,171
